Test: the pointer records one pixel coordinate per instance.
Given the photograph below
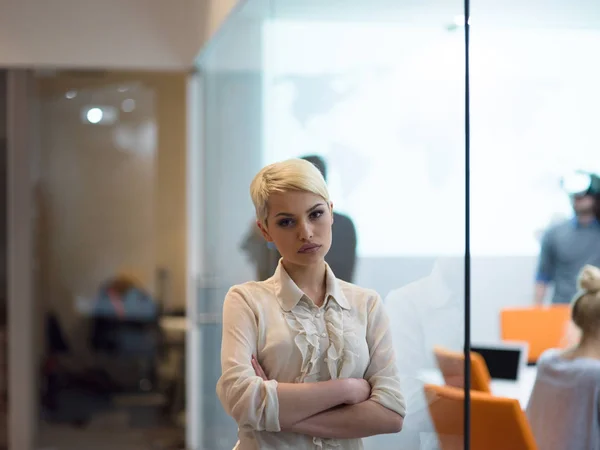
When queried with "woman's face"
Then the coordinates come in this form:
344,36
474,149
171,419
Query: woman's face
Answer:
299,224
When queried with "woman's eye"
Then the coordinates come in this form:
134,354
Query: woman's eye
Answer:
316,214
284,223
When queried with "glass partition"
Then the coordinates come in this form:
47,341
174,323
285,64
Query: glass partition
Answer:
374,92
3,258
534,91
231,87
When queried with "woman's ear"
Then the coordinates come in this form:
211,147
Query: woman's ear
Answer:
331,210
263,229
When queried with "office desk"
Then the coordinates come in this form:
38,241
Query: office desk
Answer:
520,389
174,329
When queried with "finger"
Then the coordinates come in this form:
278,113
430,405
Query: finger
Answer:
259,370
255,367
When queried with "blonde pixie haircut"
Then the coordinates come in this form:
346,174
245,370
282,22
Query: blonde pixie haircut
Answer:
290,175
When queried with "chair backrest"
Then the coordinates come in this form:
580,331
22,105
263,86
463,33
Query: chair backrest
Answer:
542,327
497,423
452,366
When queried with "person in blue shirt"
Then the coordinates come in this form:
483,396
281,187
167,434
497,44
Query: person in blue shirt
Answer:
124,298
571,244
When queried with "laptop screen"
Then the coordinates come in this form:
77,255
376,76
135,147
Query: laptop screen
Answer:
503,363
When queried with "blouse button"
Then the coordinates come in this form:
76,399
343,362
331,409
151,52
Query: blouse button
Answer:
318,315
323,335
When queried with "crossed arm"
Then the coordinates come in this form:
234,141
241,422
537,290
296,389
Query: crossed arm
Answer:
360,418
344,408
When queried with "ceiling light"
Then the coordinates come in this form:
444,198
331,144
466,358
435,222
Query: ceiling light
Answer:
71,94
128,105
459,21
94,115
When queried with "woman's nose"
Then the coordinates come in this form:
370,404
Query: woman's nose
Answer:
305,231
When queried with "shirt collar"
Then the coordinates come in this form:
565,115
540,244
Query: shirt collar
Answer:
289,294
441,293
576,224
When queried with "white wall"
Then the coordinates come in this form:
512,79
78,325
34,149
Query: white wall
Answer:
108,34
88,234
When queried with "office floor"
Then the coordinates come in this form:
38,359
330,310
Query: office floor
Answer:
109,432
131,423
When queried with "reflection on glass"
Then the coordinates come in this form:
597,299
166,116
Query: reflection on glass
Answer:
381,104
389,123
534,223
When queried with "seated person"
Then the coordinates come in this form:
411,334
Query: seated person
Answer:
124,317
564,406
124,298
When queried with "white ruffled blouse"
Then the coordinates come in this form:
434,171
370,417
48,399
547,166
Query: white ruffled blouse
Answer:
298,342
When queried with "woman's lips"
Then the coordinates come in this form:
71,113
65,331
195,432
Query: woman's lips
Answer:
309,248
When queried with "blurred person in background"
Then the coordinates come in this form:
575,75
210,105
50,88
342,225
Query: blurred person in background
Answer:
565,403
124,297
426,313
571,244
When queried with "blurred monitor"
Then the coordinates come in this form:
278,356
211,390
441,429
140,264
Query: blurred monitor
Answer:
505,360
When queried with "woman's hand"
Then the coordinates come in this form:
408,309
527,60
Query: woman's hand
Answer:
358,390
258,370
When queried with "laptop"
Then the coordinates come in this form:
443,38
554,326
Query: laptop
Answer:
505,360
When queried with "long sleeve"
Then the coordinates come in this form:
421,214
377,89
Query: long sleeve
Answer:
547,261
250,400
410,347
382,372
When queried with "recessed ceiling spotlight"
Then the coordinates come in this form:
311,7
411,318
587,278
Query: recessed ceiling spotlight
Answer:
459,21
128,105
94,115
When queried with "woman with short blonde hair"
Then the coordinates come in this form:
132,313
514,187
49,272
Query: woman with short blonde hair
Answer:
307,359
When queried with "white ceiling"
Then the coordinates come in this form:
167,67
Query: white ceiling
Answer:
238,44
506,13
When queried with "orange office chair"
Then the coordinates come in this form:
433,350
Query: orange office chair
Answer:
542,327
497,423
452,366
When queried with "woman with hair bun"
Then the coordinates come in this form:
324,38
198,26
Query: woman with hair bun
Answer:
564,406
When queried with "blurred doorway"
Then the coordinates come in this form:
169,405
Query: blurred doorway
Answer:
108,240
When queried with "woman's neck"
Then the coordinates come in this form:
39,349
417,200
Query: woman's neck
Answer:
310,279
588,347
